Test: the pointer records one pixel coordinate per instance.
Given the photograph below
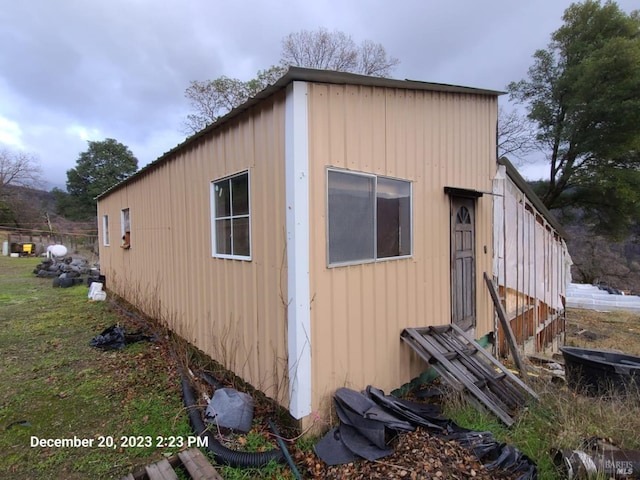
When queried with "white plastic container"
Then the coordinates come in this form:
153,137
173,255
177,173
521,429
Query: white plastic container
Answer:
95,288
100,296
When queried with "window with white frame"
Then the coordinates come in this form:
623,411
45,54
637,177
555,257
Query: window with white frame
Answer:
125,223
105,230
368,218
231,229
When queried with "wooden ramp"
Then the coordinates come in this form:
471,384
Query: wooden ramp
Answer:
469,368
196,464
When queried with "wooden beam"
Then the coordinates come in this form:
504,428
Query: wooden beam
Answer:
161,470
197,465
506,326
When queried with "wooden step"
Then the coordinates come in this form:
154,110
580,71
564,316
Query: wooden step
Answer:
196,464
161,470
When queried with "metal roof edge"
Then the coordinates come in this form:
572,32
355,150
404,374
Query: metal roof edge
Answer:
335,77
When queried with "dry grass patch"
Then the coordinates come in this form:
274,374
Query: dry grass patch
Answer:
616,330
563,419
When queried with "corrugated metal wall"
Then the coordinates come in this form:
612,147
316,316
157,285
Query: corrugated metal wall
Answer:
231,309
235,310
434,140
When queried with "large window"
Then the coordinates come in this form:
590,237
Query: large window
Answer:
231,217
369,217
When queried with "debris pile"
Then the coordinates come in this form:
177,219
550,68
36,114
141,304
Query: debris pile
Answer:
67,271
370,420
598,457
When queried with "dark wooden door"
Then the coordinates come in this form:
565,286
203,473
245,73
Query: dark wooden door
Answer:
463,262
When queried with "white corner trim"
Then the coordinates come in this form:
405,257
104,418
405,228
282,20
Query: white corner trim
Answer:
297,222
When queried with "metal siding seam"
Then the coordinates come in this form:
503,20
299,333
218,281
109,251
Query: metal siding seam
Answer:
297,222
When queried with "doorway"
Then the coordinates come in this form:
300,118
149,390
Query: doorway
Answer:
463,262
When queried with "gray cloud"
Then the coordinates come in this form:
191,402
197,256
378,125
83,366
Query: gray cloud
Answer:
72,71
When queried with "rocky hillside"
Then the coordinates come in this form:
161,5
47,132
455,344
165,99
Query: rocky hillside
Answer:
597,259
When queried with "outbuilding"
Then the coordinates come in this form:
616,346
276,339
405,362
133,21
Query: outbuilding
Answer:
295,238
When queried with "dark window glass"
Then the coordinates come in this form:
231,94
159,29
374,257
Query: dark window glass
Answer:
369,217
240,194
393,218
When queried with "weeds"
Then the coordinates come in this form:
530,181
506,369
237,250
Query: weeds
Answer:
561,420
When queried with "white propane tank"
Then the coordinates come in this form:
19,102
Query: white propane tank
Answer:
57,250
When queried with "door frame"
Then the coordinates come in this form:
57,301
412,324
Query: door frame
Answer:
459,198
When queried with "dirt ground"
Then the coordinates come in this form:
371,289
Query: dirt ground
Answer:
615,330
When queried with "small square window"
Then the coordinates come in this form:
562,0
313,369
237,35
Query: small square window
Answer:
231,229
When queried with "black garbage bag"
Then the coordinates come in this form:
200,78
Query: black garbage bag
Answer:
115,338
112,338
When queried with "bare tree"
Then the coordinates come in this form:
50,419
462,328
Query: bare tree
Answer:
336,51
516,135
18,169
210,99
373,60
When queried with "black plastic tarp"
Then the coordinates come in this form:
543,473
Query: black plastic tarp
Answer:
370,419
116,338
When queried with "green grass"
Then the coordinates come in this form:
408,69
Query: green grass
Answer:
55,386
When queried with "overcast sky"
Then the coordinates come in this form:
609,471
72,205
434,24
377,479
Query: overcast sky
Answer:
77,70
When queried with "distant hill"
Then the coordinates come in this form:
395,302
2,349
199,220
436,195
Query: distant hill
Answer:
29,208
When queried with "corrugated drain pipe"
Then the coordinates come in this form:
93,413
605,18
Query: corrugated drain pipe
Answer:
222,454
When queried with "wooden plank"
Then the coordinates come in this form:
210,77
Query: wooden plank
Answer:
484,377
493,361
432,347
466,365
482,365
506,326
413,337
161,470
496,363
197,465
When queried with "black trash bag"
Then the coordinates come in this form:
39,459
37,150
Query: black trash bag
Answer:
112,338
115,338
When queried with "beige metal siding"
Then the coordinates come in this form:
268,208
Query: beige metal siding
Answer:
434,140
235,310
231,309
